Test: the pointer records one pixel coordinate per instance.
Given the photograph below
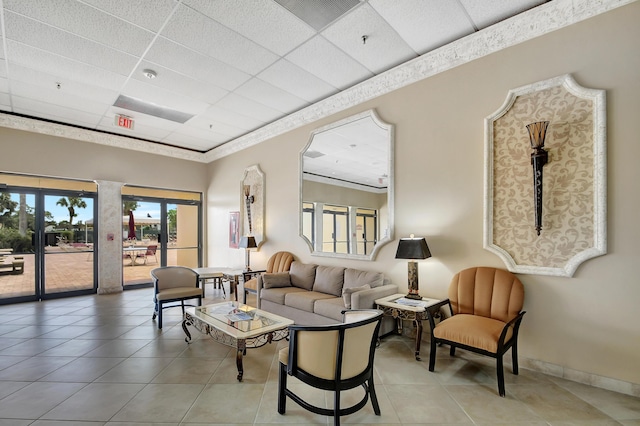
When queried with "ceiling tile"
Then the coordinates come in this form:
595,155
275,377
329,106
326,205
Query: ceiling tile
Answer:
175,82
383,46
85,21
247,107
204,35
155,13
49,39
188,141
488,12
217,114
161,97
267,94
61,68
293,79
323,59
195,65
223,130
256,21
425,24
60,97
55,112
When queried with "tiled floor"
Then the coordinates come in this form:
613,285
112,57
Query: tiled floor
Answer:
100,360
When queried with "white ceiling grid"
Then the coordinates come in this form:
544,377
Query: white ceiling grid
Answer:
236,65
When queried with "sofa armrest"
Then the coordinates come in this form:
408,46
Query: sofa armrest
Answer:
366,299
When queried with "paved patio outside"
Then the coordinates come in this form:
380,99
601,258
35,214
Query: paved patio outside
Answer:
69,271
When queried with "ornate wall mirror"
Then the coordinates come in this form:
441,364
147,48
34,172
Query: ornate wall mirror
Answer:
346,188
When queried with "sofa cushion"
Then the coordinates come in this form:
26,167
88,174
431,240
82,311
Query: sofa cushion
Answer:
276,280
330,308
358,278
347,291
304,300
302,275
329,279
276,295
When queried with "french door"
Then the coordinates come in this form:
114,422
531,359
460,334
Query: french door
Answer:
46,243
162,232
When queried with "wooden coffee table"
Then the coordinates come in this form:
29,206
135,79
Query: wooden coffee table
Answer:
237,325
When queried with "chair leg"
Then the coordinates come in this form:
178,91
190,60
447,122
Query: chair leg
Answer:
182,306
336,408
500,370
452,352
432,355
160,315
373,396
514,358
282,389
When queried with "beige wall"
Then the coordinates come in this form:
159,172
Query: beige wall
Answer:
585,324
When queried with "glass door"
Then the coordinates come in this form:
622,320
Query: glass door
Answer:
159,232
46,241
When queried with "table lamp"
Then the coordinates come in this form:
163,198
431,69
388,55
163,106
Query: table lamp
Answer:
247,243
413,248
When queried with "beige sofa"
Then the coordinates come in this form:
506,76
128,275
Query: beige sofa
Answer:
313,294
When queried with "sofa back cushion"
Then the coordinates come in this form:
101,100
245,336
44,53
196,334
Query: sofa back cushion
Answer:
302,275
276,280
329,280
358,278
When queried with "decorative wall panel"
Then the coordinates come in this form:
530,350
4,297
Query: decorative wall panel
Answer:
574,187
252,203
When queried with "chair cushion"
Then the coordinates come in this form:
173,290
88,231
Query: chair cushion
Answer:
302,275
472,330
347,291
305,300
358,278
329,279
276,280
178,293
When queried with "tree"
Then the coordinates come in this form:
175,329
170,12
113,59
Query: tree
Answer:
71,203
129,205
7,207
22,215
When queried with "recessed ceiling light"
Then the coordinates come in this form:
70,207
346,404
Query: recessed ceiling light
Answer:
150,74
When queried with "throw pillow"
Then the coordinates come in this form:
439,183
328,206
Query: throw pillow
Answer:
346,294
302,275
329,280
276,280
357,278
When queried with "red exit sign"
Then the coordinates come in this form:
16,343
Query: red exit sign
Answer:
124,121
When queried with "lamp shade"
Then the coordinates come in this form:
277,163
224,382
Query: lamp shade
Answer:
247,243
412,248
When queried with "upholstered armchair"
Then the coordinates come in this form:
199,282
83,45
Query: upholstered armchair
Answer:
486,311
174,284
278,262
334,358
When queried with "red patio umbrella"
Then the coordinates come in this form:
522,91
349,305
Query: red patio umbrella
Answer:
132,227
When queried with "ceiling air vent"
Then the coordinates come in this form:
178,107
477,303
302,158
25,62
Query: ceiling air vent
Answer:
148,108
313,154
318,13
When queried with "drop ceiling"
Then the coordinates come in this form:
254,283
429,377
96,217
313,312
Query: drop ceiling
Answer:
224,68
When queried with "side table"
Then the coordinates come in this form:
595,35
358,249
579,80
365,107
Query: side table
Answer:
400,308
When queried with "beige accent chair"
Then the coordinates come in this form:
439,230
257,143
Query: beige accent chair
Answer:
335,358
486,312
174,284
278,262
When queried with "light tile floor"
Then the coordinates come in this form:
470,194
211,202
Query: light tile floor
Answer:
100,360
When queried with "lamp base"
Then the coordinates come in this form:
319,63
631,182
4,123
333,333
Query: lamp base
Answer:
415,296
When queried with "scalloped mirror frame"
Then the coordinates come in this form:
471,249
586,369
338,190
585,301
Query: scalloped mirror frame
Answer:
599,238
390,128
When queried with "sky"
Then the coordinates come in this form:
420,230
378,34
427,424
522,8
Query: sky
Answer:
61,213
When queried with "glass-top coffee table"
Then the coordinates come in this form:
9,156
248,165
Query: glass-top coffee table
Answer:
237,325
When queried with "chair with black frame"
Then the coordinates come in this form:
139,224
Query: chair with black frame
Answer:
486,312
174,284
335,358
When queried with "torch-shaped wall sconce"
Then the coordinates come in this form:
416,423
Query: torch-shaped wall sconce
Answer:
539,157
248,199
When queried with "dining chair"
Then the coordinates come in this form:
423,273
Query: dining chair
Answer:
174,284
150,251
334,358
